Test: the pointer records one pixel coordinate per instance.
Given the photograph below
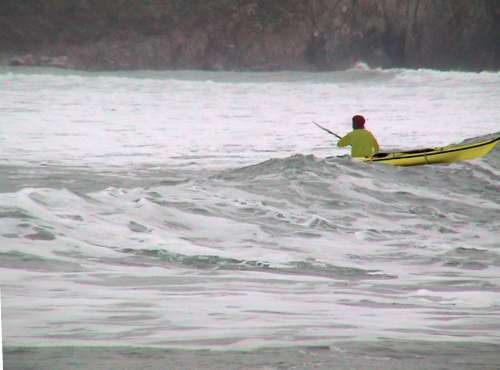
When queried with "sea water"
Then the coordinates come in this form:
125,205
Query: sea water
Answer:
189,210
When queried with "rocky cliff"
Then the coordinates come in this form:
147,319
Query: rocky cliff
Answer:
251,34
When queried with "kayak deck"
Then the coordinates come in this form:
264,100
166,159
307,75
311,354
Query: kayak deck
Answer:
447,154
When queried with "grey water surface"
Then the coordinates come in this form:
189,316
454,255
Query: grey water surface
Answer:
188,220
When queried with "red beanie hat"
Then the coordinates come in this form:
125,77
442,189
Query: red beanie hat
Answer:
358,121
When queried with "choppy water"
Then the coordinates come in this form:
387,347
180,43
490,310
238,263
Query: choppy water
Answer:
197,210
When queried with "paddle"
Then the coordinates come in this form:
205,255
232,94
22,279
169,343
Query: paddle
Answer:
325,129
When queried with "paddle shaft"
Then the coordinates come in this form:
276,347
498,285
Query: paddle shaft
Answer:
325,129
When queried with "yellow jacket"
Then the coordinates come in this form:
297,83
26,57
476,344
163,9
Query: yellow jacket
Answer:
362,142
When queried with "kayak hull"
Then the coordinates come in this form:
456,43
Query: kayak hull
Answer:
447,154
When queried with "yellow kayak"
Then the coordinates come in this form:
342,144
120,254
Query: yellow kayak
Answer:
446,154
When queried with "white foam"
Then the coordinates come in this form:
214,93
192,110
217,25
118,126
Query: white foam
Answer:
349,254
105,120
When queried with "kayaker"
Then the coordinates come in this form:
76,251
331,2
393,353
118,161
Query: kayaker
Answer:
362,141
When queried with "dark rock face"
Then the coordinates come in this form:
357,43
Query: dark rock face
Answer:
251,34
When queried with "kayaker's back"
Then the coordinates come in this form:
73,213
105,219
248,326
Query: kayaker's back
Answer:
362,142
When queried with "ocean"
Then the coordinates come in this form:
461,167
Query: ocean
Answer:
189,219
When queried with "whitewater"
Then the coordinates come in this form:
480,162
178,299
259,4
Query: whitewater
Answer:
190,210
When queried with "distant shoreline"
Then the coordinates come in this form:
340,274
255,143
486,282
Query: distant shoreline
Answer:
6,58
252,36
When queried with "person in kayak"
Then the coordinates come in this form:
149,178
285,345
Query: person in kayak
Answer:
362,141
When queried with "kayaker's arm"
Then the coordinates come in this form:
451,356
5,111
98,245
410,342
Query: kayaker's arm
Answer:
345,141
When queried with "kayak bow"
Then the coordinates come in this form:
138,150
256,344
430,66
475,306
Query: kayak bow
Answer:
447,154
